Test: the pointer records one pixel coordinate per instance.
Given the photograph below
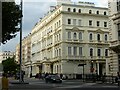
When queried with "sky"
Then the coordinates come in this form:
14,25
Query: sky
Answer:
32,12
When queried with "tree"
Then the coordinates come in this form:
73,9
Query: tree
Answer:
11,14
9,65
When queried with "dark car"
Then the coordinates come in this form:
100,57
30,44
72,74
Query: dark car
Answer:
53,79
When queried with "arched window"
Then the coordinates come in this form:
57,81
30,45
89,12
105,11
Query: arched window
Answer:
99,52
106,52
90,36
98,37
55,53
105,37
59,52
90,11
69,9
69,35
75,36
97,12
79,10
80,35
105,13
74,10
91,52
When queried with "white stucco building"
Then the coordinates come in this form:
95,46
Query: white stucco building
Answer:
26,54
69,35
114,16
6,54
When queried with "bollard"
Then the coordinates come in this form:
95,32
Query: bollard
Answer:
4,82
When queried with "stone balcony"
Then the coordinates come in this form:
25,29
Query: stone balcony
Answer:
115,46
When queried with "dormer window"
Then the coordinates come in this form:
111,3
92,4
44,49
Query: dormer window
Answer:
97,12
69,9
74,10
90,11
105,13
79,10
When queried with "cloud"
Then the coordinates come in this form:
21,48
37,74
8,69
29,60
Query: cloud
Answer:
102,3
33,11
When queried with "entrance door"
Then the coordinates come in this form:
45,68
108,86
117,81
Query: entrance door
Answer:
51,68
40,68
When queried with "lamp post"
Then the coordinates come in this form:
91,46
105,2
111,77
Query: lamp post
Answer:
31,69
21,43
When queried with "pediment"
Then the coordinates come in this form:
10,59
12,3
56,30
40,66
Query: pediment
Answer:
99,31
75,28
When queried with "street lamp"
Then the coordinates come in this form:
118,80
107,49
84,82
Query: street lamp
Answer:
31,69
21,2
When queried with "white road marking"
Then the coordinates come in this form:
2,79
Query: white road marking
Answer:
77,86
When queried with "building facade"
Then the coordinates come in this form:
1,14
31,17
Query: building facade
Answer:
71,34
6,54
114,9
26,54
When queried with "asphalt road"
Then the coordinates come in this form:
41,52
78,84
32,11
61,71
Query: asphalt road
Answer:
35,84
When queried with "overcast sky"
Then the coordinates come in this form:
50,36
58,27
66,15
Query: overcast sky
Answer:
32,12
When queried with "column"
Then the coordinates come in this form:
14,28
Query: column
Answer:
98,68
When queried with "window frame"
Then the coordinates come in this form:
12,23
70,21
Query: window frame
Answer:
105,13
105,24
74,10
69,9
69,21
90,36
74,35
75,51
74,21
80,51
80,36
90,11
98,23
106,37
90,22
97,12
99,52
91,52
79,10
106,52
98,37
69,51
69,35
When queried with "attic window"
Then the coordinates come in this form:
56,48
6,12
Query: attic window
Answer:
68,9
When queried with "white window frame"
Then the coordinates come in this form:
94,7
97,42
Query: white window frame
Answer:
80,51
69,51
69,35
75,51
80,36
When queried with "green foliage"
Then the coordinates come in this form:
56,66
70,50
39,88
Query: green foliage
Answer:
9,65
11,15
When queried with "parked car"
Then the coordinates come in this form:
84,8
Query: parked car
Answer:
53,79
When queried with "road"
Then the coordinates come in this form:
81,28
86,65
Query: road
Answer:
35,84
